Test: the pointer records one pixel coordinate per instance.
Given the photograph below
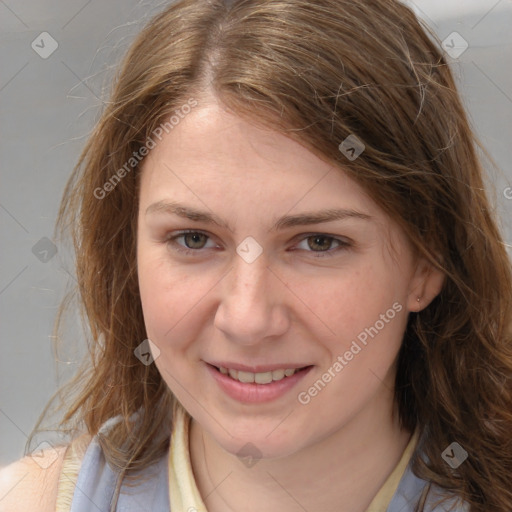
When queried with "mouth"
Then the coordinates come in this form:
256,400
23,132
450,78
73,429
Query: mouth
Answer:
262,377
258,387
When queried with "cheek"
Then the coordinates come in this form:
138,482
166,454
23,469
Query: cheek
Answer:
169,303
364,311
171,298
351,299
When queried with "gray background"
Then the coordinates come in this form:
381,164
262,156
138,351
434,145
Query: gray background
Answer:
48,107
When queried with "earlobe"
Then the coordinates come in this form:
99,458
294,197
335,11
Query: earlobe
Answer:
426,284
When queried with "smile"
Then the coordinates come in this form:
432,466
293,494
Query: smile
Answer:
258,378
256,387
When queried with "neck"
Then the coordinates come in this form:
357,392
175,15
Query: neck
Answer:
341,473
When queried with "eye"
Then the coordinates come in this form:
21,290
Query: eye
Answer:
194,241
322,245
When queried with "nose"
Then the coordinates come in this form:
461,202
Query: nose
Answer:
252,306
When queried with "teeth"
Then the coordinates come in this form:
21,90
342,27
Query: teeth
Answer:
258,378
245,376
263,378
279,374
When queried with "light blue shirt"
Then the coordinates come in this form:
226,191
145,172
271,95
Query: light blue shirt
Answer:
96,486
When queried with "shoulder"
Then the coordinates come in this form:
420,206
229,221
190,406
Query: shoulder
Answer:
32,482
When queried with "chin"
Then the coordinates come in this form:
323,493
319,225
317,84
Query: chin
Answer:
257,446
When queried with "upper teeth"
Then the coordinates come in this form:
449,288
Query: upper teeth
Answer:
258,378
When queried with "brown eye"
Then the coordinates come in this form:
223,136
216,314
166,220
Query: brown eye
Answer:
320,245
189,242
320,242
194,240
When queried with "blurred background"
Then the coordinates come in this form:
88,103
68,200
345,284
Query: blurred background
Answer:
57,62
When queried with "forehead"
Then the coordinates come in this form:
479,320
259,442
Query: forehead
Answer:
219,137
217,152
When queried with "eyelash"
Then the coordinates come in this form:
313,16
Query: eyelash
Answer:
343,245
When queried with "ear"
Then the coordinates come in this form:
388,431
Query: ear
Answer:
426,284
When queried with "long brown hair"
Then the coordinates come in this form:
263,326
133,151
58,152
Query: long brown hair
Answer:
317,72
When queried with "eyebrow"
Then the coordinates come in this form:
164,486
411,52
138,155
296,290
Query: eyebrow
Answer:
287,221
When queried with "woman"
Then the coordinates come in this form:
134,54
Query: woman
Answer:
297,295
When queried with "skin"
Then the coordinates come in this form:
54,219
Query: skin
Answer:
289,305
31,483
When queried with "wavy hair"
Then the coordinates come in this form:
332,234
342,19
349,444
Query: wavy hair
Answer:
316,72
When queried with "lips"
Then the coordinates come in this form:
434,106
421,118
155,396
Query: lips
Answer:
260,368
256,392
258,377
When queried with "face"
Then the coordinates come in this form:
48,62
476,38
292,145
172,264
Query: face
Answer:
243,265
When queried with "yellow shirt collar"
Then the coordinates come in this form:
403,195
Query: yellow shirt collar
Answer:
184,494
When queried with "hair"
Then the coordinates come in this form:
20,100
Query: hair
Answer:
316,72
